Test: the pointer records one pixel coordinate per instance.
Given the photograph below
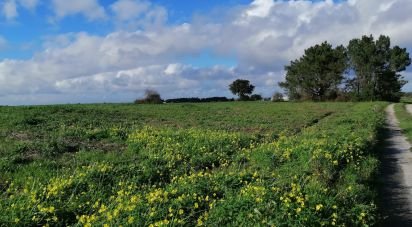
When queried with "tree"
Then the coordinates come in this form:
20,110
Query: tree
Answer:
317,74
256,97
277,97
376,66
151,97
242,88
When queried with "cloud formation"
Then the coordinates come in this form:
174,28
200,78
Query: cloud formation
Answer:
135,14
125,10
91,9
9,8
263,36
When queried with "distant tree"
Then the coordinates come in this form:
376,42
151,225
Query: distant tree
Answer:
277,97
151,97
317,74
256,97
376,66
242,88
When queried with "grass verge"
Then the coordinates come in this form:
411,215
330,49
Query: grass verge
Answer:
405,120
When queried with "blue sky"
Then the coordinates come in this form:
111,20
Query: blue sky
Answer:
27,32
59,51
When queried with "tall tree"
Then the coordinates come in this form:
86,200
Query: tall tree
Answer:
317,74
242,88
377,68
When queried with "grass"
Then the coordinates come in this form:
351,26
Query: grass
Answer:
405,120
213,164
31,133
406,99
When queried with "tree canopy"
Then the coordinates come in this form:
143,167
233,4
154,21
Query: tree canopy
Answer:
366,70
317,74
151,97
377,68
242,88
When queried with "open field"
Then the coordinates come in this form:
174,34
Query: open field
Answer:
253,163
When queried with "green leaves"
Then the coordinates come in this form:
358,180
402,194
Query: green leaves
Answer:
376,65
243,88
372,68
317,74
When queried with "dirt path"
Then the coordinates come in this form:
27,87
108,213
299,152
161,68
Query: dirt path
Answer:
396,174
409,108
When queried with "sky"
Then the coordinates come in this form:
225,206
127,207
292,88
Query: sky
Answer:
93,51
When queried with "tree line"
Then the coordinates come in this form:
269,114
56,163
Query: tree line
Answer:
153,97
365,70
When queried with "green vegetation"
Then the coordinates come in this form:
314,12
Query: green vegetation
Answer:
371,66
407,98
377,66
317,74
243,163
151,97
405,120
242,88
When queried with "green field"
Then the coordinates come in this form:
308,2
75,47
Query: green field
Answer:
217,164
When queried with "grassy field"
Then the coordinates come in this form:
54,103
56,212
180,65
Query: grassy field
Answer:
252,163
406,99
405,120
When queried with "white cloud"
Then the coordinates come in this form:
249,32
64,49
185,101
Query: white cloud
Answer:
171,80
135,14
264,36
129,9
9,9
260,8
74,56
90,9
172,69
29,4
